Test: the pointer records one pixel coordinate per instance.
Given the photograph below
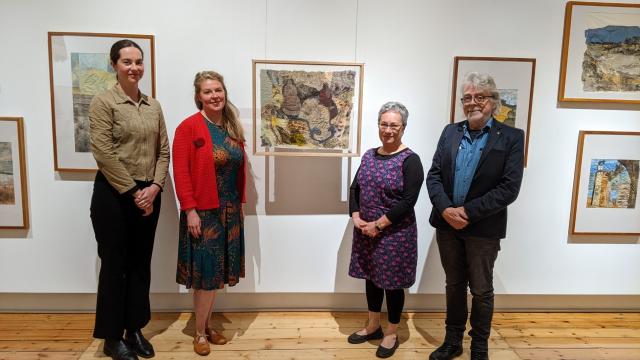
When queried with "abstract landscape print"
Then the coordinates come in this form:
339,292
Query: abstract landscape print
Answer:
306,109
611,60
7,188
91,75
509,105
613,183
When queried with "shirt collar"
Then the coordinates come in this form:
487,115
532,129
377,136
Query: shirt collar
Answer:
122,98
485,129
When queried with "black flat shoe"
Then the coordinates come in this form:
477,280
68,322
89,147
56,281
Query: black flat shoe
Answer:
446,351
139,344
359,339
118,350
384,352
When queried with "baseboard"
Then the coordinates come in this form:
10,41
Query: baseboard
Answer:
45,302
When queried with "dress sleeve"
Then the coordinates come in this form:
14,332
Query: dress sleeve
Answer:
413,175
354,195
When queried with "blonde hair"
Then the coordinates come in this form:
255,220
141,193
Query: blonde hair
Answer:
230,119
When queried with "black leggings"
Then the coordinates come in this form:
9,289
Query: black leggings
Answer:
395,301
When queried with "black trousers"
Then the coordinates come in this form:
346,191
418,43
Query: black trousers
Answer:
395,301
468,261
125,243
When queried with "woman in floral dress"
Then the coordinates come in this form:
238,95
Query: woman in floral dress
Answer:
209,172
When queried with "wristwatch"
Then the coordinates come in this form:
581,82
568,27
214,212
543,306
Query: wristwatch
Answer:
378,227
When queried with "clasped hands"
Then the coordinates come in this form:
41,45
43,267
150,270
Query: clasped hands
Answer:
144,198
368,228
456,217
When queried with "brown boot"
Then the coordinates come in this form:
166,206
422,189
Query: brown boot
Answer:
215,337
201,345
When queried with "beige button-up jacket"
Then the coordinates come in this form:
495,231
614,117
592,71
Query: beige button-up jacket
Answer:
128,139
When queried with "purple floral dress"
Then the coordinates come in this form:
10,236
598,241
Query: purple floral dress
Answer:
388,260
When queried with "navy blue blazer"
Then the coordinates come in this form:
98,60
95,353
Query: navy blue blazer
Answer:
495,183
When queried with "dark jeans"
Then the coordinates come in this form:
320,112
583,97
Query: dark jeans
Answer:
395,301
125,243
468,261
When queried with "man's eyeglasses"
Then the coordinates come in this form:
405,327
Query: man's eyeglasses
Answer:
393,127
479,99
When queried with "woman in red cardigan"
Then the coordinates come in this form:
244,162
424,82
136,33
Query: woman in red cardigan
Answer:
209,174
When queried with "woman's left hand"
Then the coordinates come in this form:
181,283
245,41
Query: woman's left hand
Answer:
146,196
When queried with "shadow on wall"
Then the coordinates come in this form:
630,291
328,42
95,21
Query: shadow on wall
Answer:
432,269
304,185
343,282
252,250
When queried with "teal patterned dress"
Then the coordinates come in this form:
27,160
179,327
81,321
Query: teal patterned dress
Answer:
217,257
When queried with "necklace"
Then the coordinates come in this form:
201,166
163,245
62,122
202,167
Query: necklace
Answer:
209,120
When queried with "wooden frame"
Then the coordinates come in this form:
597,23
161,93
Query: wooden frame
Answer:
79,68
14,202
593,67
305,108
605,187
513,76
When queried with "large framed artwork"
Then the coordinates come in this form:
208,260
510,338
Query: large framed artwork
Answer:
79,68
514,78
605,189
14,213
305,108
600,53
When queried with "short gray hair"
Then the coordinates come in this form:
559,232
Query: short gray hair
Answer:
397,108
483,81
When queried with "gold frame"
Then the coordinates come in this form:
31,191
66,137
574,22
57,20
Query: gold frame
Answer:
23,173
566,35
576,181
307,152
50,35
454,89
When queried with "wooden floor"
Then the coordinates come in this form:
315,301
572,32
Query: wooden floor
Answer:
322,335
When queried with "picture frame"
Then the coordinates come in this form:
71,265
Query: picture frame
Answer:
79,68
600,61
14,201
514,78
605,187
307,108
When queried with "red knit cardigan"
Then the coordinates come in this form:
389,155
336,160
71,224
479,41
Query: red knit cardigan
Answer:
194,172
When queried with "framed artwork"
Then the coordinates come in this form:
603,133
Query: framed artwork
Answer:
605,188
600,53
305,108
514,78
79,68
14,210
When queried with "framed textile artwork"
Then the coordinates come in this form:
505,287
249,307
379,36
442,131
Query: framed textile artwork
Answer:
605,189
514,78
600,53
79,68
14,209
307,108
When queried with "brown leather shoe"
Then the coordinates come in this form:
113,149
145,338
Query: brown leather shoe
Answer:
215,337
201,345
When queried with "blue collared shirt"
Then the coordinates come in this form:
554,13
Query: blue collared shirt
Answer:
469,152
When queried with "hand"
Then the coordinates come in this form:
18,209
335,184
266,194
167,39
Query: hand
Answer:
148,210
456,217
146,196
370,229
358,223
193,223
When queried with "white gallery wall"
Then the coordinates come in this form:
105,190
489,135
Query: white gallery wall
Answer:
298,234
